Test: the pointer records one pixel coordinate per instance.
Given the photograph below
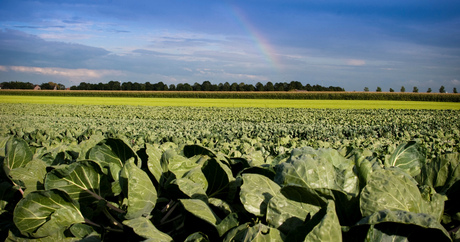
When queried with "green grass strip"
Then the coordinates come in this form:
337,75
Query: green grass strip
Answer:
208,102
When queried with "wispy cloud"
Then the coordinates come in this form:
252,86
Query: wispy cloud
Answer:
38,27
74,74
355,62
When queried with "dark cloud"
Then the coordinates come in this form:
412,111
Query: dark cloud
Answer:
19,48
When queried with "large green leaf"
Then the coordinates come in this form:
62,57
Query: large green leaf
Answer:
442,172
192,150
144,228
409,157
229,222
85,232
323,226
394,190
190,188
397,221
327,173
258,232
3,141
57,236
197,237
17,154
138,189
81,180
154,161
256,192
111,154
322,169
201,210
31,176
255,158
193,183
219,177
328,229
290,208
84,146
180,165
365,163
42,213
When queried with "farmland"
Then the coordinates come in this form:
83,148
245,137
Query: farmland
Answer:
240,102
203,164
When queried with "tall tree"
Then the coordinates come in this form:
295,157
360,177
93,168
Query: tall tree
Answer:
197,86
379,89
188,87
259,86
206,86
415,90
429,90
403,89
269,87
442,89
226,87
234,87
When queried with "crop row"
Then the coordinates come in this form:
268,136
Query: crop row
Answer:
435,97
101,189
75,172
235,131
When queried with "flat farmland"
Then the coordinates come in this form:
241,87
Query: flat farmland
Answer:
324,164
218,102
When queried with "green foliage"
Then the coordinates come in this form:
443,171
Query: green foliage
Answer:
180,192
442,89
227,174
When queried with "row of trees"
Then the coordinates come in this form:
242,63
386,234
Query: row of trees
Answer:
442,89
160,86
205,86
28,85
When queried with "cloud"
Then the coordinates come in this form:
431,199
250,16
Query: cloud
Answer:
22,49
355,62
221,74
73,74
150,52
455,82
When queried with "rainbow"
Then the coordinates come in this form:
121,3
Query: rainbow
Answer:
259,40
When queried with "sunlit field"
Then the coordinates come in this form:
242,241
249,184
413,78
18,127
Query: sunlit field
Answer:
197,102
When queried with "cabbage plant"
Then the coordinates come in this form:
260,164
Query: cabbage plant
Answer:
103,189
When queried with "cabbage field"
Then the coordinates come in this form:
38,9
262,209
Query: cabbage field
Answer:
134,173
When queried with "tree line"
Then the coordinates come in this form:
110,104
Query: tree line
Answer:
160,86
28,85
442,89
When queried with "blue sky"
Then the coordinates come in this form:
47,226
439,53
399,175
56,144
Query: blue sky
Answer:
351,44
